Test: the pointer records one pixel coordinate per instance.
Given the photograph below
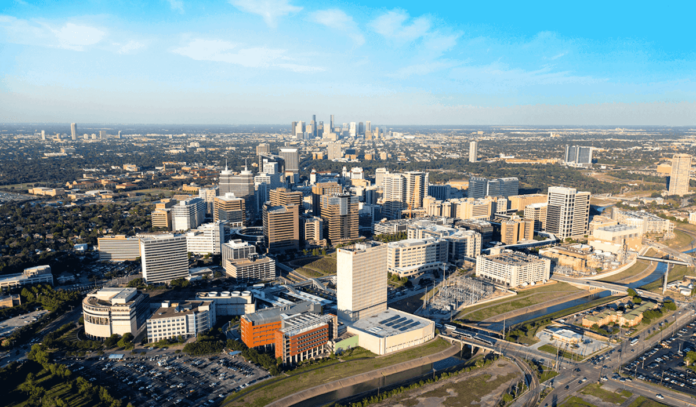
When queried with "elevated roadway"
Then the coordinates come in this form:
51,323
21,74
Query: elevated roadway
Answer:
615,288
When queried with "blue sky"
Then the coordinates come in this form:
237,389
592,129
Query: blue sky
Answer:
273,61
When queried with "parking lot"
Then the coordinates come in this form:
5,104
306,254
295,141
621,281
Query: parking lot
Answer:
168,379
8,326
664,363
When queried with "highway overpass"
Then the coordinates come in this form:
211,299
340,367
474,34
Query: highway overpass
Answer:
615,288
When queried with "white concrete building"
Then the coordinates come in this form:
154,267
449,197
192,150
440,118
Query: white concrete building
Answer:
361,280
206,239
185,319
413,257
513,268
32,275
164,258
115,310
188,214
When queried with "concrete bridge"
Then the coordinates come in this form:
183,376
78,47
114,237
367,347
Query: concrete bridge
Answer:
668,261
613,287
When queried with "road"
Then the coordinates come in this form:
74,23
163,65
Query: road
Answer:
571,378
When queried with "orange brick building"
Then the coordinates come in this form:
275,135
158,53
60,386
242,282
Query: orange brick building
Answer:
296,332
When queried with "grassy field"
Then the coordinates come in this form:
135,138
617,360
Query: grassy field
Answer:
523,299
677,273
596,390
157,191
261,395
643,402
635,269
470,391
574,401
316,266
680,240
554,350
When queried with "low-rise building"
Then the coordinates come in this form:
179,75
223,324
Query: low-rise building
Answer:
391,331
413,257
630,318
118,248
615,239
645,221
9,301
513,268
229,303
115,310
296,332
254,268
32,275
186,319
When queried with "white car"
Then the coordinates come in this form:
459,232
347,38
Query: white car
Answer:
659,397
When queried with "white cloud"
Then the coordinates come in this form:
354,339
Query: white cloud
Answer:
128,47
76,37
176,5
231,53
270,10
70,36
392,25
338,20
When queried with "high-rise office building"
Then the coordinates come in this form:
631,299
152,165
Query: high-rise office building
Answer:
164,258
340,213
242,186
292,159
368,126
578,155
361,276
284,196
478,187
102,134
379,176
679,176
281,227
503,187
537,213
332,123
361,128
188,214
73,131
323,188
231,209
568,212
334,150
393,195
263,148
313,123
293,128
473,152
225,181
208,195
43,135
416,188
353,129
277,162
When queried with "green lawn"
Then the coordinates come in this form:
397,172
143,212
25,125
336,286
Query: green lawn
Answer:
315,266
596,390
525,298
637,268
258,396
309,273
677,273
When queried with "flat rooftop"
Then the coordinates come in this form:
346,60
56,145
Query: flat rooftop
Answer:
513,258
275,314
178,310
413,242
389,323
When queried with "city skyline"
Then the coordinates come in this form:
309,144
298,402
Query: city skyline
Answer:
445,64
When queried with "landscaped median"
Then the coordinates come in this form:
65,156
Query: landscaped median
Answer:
280,387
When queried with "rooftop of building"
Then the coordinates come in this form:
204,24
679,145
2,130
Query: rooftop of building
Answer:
617,228
300,323
108,296
360,247
413,242
513,258
538,205
169,310
247,261
389,323
275,314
